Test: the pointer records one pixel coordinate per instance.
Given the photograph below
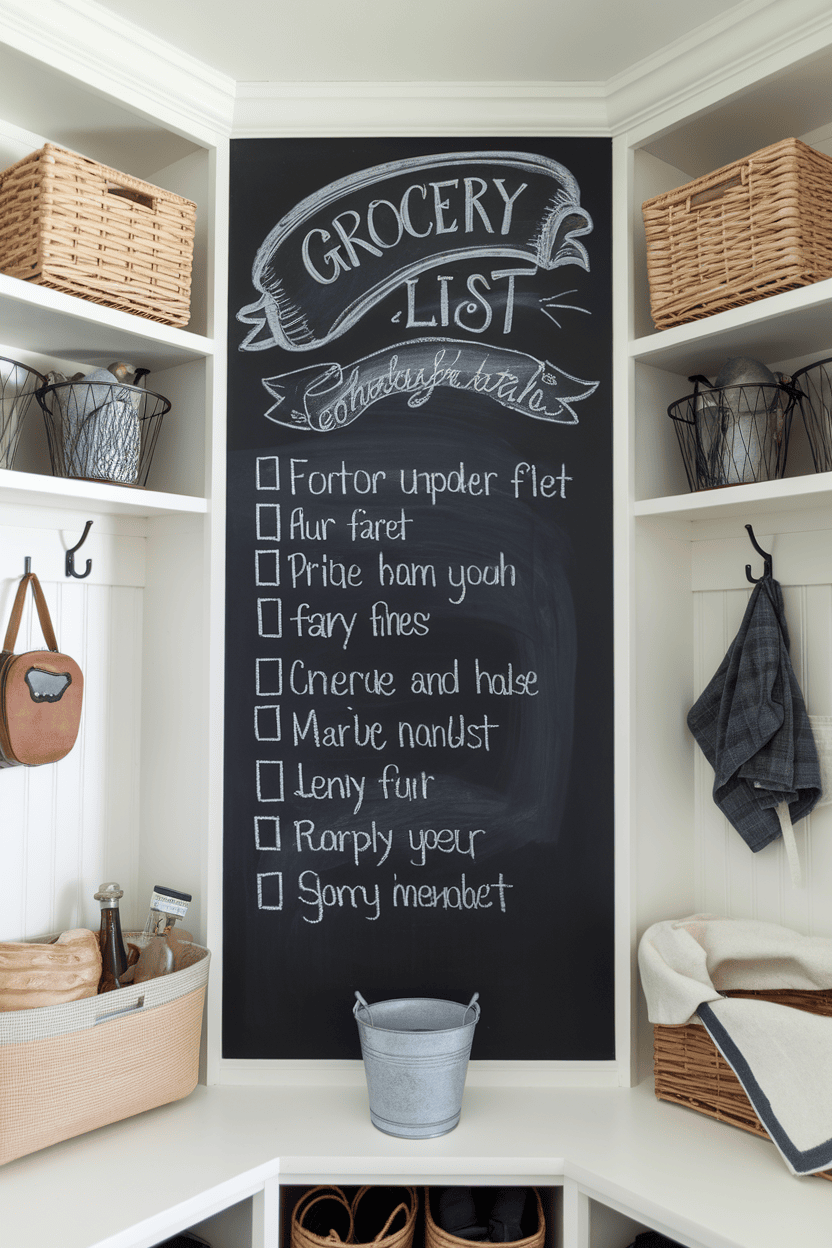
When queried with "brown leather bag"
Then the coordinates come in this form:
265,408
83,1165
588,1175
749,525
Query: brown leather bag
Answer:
40,692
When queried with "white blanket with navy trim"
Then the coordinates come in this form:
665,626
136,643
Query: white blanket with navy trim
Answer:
781,1056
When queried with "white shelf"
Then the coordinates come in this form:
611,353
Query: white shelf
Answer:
98,499
791,325
811,495
37,319
701,1182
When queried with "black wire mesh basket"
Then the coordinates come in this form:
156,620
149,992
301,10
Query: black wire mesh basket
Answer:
18,385
99,431
735,434
815,385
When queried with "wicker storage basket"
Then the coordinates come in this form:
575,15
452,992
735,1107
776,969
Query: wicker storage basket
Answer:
382,1216
748,230
66,1069
77,226
436,1237
689,1070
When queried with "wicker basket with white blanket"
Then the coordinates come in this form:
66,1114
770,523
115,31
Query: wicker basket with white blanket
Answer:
760,1057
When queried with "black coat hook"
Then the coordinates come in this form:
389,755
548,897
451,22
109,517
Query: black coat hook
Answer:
767,567
70,556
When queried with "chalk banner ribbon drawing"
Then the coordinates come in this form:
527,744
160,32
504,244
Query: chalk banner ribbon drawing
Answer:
343,249
327,396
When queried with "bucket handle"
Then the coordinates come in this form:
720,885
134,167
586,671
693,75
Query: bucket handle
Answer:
472,1005
361,1004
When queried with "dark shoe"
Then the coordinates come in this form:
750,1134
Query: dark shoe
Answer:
456,1213
505,1225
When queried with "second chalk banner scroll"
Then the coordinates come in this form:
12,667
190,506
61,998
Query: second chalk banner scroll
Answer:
418,771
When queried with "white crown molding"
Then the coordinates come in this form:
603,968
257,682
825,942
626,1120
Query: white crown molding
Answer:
86,41
416,108
717,59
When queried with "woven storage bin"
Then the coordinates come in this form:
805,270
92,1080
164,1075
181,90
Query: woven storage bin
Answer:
67,1069
689,1070
382,1216
748,230
77,226
436,1237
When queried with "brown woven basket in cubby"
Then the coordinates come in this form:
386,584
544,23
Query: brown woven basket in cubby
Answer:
74,225
689,1070
436,1237
384,1217
751,229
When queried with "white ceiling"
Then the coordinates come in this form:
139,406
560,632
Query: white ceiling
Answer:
423,40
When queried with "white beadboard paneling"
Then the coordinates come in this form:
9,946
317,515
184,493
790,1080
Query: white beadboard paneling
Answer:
67,614
711,881
729,878
124,745
67,826
14,787
818,633
798,558
175,697
68,905
40,840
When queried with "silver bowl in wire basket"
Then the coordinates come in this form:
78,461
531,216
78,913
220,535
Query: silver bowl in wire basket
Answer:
734,435
100,431
18,386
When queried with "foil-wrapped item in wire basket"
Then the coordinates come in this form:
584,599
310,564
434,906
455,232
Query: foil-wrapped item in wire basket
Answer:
18,385
100,429
733,435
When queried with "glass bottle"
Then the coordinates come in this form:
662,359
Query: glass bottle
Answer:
166,906
158,940
110,939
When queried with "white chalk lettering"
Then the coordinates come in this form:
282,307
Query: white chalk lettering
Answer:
323,897
491,574
478,306
365,529
308,682
525,480
322,623
437,209
458,734
337,481
325,788
436,683
458,481
505,684
303,530
338,735
405,573
462,896
387,623
444,840
326,573
406,788
356,841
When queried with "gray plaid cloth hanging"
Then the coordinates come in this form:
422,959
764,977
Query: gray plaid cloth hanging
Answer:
752,726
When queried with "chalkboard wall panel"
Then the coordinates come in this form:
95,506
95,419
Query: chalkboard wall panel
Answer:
418,774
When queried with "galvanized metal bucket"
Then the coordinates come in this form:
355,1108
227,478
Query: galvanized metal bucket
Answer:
416,1052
